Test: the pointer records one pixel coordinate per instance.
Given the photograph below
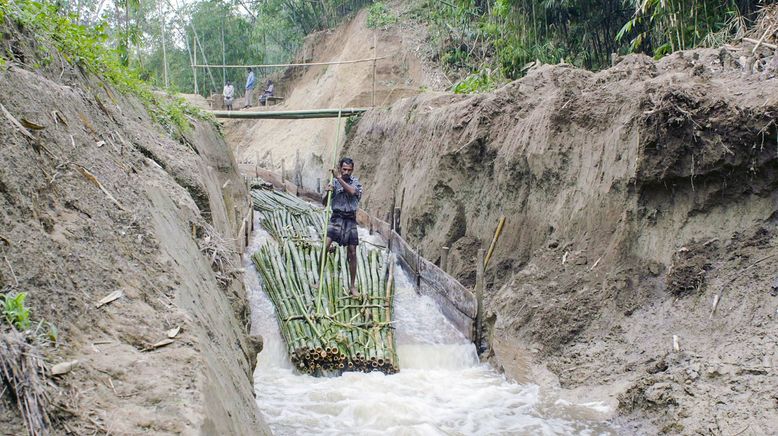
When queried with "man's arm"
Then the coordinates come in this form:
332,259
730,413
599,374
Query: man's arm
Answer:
350,190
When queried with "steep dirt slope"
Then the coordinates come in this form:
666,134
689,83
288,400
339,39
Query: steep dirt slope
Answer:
307,144
101,199
633,197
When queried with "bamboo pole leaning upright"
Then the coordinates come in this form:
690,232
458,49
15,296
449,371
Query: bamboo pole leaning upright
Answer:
479,296
327,213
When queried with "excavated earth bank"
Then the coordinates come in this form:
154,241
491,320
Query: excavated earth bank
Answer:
306,145
167,240
633,196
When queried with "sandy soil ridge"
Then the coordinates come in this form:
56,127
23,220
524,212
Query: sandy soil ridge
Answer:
306,145
633,197
166,240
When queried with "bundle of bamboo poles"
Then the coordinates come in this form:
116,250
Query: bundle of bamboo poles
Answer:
327,331
286,216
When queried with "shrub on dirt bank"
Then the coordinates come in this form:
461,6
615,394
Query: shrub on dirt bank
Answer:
85,47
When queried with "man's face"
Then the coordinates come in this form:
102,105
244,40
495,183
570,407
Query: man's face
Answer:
346,170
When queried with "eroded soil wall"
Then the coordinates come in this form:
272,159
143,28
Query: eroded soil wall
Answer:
102,199
633,196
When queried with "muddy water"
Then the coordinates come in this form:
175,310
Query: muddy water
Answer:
441,389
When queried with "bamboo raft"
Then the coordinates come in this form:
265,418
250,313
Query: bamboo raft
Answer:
327,331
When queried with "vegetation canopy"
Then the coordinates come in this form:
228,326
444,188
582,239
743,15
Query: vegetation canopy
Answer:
480,42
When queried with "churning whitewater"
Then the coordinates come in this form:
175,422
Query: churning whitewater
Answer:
441,389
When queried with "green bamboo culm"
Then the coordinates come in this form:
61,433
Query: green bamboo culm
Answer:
327,331
327,214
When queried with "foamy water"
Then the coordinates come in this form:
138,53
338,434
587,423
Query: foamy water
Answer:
441,389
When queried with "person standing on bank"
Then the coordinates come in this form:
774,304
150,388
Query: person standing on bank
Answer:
251,81
229,94
342,228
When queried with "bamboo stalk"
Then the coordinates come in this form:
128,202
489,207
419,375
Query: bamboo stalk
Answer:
494,240
346,333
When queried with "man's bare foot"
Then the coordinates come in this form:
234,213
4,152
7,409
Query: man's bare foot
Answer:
354,292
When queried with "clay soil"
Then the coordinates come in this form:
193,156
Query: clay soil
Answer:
99,199
635,197
306,146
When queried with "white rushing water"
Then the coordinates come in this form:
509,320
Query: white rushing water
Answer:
441,389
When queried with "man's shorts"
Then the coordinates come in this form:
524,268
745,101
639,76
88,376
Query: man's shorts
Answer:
343,230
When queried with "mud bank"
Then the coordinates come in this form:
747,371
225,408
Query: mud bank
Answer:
305,146
633,197
101,199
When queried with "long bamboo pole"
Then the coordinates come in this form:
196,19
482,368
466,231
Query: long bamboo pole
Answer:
224,57
290,115
351,334
307,64
494,240
327,213
164,47
375,56
194,69
479,296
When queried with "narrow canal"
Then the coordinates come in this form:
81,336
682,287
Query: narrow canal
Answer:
441,389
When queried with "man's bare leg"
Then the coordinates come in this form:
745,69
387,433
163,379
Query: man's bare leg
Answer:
352,266
330,247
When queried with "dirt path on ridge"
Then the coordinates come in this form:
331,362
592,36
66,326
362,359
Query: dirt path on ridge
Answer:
305,145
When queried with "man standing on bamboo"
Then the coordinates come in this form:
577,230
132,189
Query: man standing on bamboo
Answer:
346,193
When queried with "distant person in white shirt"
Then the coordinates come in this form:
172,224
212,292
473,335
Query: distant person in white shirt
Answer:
229,95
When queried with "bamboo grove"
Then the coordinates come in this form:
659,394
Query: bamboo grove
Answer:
501,37
327,331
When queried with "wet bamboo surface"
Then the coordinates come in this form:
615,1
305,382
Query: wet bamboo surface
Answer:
327,331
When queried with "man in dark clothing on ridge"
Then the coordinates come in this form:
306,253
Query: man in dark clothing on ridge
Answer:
346,193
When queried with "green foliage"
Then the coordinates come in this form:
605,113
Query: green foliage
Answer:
454,57
379,16
660,27
507,35
352,122
17,315
87,47
51,332
14,311
481,81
